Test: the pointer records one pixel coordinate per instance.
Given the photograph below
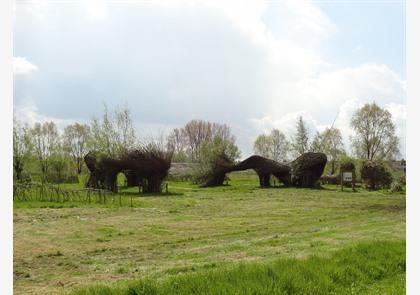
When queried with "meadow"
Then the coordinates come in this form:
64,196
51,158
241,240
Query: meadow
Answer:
234,239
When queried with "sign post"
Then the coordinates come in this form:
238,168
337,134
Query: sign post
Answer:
347,177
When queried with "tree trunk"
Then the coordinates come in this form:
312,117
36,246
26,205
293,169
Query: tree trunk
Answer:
332,167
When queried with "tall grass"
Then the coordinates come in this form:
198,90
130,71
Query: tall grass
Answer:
367,268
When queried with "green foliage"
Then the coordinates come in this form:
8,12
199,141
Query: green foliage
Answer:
115,134
75,139
274,146
330,143
301,138
45,140
375,137
396,187
375,175
22,148
211,153
211,150
358,269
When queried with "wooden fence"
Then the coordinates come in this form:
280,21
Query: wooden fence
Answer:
43,192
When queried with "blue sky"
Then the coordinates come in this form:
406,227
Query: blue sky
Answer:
370,31
253,65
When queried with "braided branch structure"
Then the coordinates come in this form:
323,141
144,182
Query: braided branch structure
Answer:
146,168
305,171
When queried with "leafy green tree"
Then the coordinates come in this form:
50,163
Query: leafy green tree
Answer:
45,141
59,164
329,142
301,138
333,146
317,145
22,148
211,152
274,146
262,145
115,134
75,139
375,137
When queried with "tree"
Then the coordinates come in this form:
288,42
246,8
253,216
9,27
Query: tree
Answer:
114,135
195,133
21,147
177,143
330,143
317,145
333,146
210,152
212,149
124,130
45,141
103,135
274,146
301,138
262,145
59,163
375,133
75,140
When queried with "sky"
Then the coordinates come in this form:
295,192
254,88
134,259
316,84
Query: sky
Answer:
254,65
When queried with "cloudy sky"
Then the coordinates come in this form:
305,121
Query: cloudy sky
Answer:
254,65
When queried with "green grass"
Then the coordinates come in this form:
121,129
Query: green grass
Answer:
367,268
194,230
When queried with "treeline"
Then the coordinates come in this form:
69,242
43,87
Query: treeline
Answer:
374,139
44,153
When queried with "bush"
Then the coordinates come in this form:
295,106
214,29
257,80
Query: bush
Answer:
375,175
396,187
401,180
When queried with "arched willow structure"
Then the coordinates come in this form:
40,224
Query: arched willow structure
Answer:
305,171
146,168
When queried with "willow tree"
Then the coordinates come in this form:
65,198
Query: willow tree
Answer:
274,146
75,139
329,142
301,138
114,134
45,141
375,136
21,148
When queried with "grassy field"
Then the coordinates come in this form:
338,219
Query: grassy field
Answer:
204,236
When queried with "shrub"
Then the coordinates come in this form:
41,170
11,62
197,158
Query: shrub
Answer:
401,180
396,187
375,175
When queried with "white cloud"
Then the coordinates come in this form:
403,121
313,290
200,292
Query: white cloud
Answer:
28,112
96,9
254,65
22,66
